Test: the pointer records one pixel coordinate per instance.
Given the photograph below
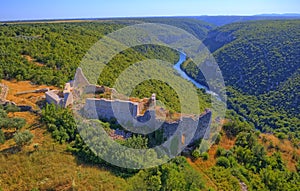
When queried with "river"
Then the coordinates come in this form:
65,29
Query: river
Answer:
181,60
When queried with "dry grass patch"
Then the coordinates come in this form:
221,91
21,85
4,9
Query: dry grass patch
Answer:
32,60
30,99
53,170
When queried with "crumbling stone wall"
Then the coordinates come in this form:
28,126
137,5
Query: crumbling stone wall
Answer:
188,130
3,92
107,109
52,97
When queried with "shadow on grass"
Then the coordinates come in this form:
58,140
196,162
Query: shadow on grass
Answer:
11,150
115,170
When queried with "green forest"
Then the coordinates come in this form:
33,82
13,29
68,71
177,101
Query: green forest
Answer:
260,66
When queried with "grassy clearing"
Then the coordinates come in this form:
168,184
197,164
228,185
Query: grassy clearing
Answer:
48,169
32,60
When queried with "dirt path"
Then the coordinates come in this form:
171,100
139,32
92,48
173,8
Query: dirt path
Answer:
33,61
243,186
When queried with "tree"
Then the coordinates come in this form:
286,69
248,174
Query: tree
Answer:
23,138
60,123
3,113
11,108
298,166
1,74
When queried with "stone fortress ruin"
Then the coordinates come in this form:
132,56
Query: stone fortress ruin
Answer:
137,117
3,93
63,99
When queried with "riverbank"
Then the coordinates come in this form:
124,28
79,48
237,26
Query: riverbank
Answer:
177,67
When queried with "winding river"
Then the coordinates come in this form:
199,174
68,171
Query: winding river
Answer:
182,73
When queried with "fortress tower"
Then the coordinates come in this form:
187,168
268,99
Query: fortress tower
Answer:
152,101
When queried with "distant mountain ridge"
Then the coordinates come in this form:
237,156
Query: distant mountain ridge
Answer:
282,15
224,20
196,27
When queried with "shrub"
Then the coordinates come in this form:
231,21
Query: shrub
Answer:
281,136
11,108
196,153
223,161
23,138
3,113
217,138
36,146
205,156
220,151
18,123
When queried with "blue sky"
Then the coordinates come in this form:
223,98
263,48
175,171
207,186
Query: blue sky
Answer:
59,9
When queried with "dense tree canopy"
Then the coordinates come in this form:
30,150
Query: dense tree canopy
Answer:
259,61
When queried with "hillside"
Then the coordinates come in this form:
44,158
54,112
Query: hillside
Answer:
255,57
287,95
261,60
195,27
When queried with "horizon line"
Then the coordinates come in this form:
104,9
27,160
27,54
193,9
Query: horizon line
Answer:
152,16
